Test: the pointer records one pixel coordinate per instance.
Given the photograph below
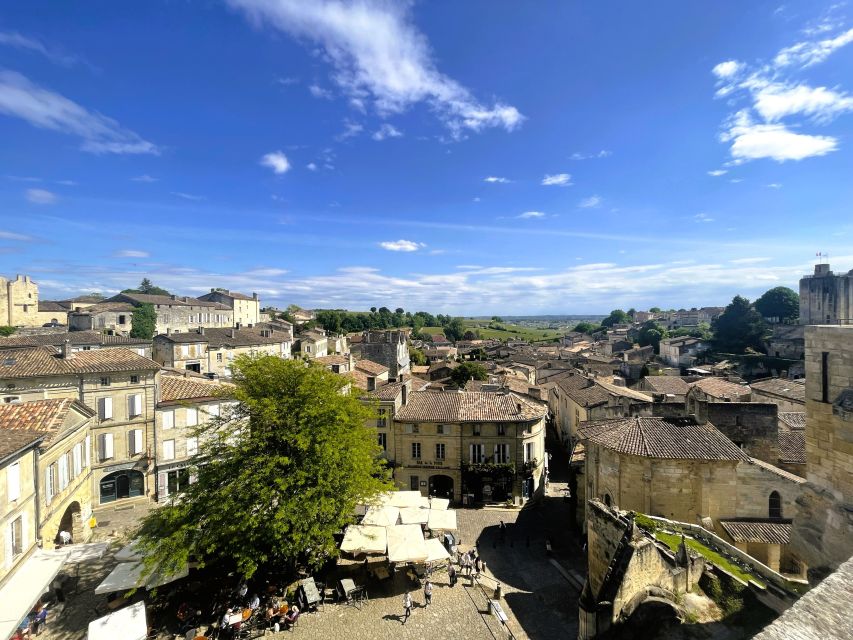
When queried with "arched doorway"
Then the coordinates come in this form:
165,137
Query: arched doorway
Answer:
72,522
120,485
441,486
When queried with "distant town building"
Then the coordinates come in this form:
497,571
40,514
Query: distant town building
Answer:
79,341
19,304
681,352
389,348
247,309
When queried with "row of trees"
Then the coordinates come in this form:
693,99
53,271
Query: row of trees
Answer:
342,321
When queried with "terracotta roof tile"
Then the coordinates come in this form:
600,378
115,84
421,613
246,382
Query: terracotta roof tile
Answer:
792,447
12,441
793,420
469,406
794,390
47,416
721,388
371,368
668,438
754,530
667,384
77,338
174,388
26,362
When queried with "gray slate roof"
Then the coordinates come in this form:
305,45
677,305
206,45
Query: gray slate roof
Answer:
469,406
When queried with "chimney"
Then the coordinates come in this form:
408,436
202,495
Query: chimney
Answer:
200,331
67,354
254,296
232,334
405,390
168,331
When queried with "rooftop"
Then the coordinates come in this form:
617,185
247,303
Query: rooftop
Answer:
793,420
469,406
794,390
47,416
721,388
175,387
672,385
768,531
219,337
792,447
12,441
667,438
77,338
27,362
371,368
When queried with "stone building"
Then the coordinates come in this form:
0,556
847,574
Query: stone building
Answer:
787,341
682,469
184,402
823,524
681,352
470,445
17,499
63,461
19,304
788,395
576,398
212,351
391,398
673,388
826,297
174,313
311,343
716,390
79,341
247,309
119,385
389,348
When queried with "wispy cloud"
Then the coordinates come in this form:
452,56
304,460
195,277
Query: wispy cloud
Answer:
351,130
751,141
386,131
812,52
277,161
496,180
717,172
311,166
131,253
11,235
144,178
592,202
40,196
379,54
25,43
703,217
527,215
577,155
774,185
319,92
187,196
557,180
45,109
755,260
402,245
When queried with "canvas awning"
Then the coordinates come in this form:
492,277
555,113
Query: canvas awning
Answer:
364,539
384,516
439,504
26,585
128,553
442,520
85,552
436,551
401,499
414,515
129,575
129,623
406,543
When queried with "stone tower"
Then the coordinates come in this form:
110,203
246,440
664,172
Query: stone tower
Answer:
19,302
826,298
389,348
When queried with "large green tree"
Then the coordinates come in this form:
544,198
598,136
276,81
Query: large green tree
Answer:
143,322
779,304
739,327
651,333
454,329
277,477
147,287
587,327
617,316
468,371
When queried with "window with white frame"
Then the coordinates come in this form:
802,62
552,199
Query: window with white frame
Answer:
167,419
13,481
439,451
416,450
134,441
134,405
78,459
16,536
192,446
105,408
192,416
63,472
105,446
477,453
185,351
168,450
49,483
501,453
529,452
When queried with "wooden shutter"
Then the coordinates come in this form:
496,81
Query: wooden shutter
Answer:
13,481
105,408
63,472
192,417
192,446
87,448
48,485
168,419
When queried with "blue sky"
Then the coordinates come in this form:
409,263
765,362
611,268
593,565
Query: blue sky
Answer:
473,158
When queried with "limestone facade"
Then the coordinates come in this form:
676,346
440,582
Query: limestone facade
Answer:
826,297
823,524
19,299
247,309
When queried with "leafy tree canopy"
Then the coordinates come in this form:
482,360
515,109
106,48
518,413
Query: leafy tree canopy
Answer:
143,322
277,477
417,357
587,327
454,329
779,304
497,319
471,334
617,316
651,333
468,371
148,288
739,327
654,310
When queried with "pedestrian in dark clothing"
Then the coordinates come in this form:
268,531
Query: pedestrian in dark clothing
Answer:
428,592
477,564
451,573
407,606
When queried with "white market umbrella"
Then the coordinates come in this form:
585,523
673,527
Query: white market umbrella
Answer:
85,552
439,504
129,552
385,516
406,544
360,539
128,624
442,520
414,515
436,550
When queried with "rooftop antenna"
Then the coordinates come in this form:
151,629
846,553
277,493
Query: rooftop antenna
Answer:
822,258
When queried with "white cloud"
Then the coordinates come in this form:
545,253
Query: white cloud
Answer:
531,214
806,54
10,235
67,183
351,129
18,41
131,253
750,141
277,161
45,109
187,196
319,92
387,131
496,180
311,166
717,172
378,53
703,217
286,81
557,180
577,155
727,69
591,203
776,101
144,178
41,196
774,185
749,260
402,245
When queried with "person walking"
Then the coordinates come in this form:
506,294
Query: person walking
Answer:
428,592
407,606
451,573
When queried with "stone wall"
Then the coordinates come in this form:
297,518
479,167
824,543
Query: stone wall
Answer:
19,300
389,348
755,483
826,297
753,426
